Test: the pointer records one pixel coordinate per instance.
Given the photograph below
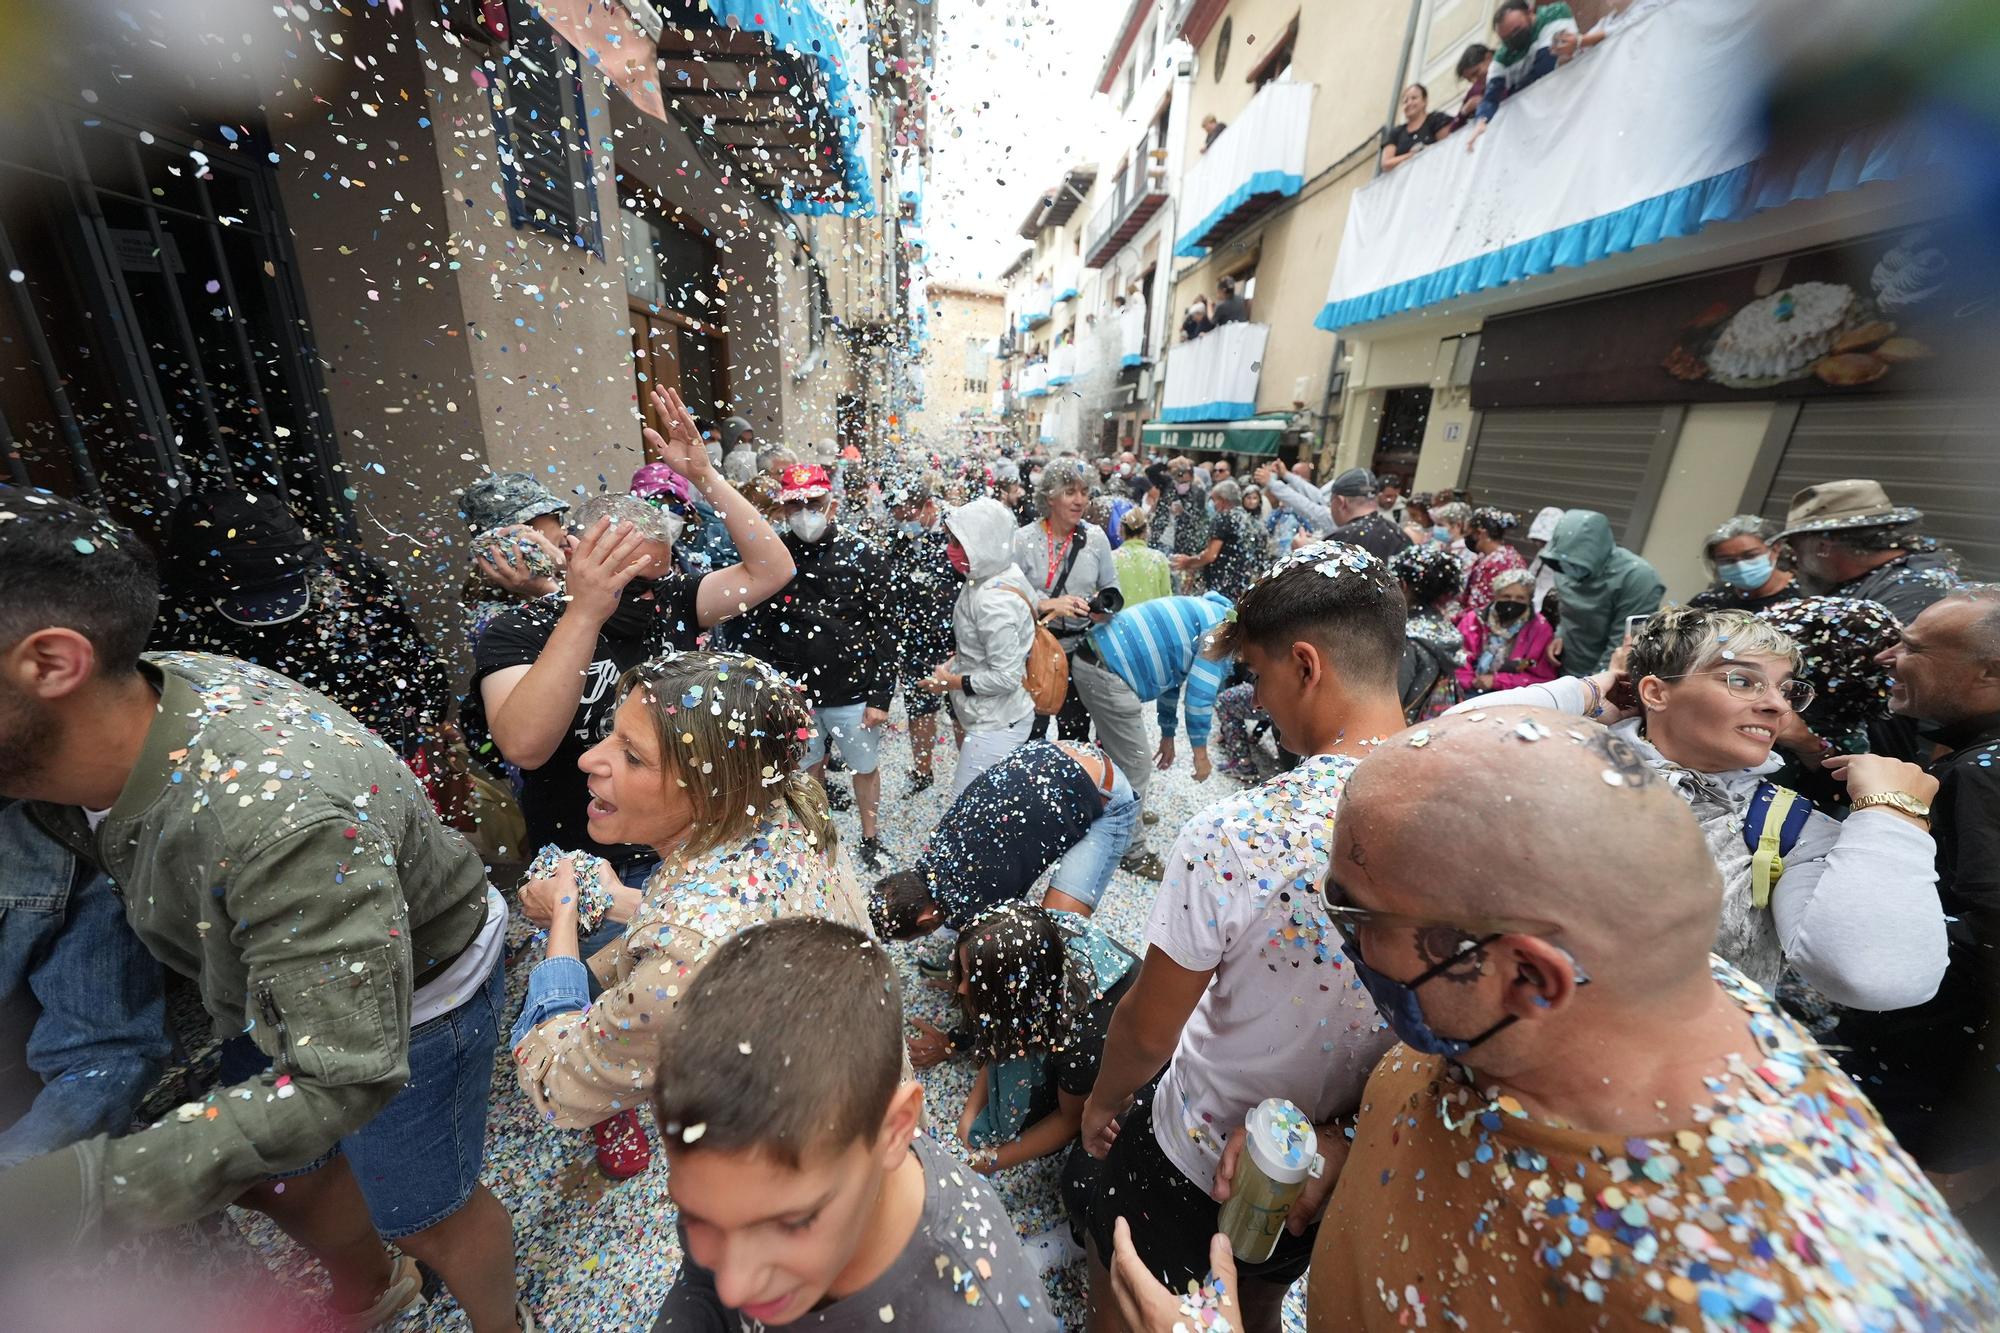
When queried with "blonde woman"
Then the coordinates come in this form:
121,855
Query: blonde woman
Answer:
704,764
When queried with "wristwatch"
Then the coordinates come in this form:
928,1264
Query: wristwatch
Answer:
1896,800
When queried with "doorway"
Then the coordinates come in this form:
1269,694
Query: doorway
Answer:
1400,439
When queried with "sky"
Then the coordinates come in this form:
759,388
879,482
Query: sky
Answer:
1016,103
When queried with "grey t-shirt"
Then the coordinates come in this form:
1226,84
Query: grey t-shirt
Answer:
965,1243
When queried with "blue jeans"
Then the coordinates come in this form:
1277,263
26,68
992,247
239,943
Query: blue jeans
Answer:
418,1160
1086,868
86,991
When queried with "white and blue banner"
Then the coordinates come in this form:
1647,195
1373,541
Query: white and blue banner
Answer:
1262,152
1650,135
1214,377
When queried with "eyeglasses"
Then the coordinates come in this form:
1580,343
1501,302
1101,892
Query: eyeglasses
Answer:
1749,686
1349,920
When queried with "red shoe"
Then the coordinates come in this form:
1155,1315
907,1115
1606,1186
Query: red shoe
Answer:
623,1150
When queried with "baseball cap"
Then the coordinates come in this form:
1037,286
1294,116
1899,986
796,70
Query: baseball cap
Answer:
246,553
504,498
803,481
1354,484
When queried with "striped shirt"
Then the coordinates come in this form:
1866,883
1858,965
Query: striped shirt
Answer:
1153,647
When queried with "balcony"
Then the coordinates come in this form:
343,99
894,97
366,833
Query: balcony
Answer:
1138,189
1131,334
1214,377
1062,365
1259,160
1579,167
1036,306
1033,381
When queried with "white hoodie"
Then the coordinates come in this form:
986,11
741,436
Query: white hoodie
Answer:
994,626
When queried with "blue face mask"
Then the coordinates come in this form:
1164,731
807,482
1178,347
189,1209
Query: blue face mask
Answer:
1405,1016
1747,575
1441,532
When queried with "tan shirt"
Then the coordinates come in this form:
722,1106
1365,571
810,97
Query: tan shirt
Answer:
587,1065
1781,1203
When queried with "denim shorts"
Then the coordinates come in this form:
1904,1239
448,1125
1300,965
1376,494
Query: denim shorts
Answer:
858,745
418,1160
1085,869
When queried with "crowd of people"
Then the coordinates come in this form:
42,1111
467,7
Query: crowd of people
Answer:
1555,957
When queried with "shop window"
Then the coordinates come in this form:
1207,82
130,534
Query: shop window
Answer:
540,124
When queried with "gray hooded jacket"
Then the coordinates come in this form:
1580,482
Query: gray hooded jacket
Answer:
993,620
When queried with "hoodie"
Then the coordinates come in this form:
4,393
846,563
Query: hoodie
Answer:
1601,584
1856,913
993,620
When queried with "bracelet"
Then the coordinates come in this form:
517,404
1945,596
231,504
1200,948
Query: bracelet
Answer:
1596,708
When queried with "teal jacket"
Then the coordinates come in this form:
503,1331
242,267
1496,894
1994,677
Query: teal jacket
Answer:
1600,583
271,849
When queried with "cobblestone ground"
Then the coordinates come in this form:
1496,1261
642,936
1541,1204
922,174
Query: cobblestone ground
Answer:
596,1259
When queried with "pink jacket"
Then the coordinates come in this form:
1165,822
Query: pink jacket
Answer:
1531,644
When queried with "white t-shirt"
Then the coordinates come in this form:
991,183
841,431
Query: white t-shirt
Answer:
1284,1015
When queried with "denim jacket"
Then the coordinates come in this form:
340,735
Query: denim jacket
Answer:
73,974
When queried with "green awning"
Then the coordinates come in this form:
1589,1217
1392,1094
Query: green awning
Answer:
1254,436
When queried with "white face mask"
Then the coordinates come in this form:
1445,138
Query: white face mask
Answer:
809,525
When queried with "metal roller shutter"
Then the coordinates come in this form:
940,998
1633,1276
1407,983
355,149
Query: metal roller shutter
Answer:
1940,455
1600,458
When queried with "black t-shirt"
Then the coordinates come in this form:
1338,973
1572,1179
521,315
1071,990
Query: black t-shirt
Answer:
1016,820
1402,140
553,796
1231,310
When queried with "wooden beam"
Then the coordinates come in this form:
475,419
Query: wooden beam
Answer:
764,136
712,42
758,108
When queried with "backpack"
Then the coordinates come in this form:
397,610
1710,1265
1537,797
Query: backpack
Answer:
1771,828
1047,675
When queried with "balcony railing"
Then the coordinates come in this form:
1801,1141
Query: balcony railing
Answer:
1258,160
1036,307
1033,381
1214,377
1062,365
1575,168
1137,193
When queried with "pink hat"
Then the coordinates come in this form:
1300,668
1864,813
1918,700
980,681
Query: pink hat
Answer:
803,481
657,479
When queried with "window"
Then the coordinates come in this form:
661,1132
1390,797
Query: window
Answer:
1131,80
1277,62
1152,43
975,385
539,123
1222,47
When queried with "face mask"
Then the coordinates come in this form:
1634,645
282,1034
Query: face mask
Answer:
910,528
1405,1016
1509,612
637,610
1441,532
809,525
1747,575
958,559
1181,487
1520,39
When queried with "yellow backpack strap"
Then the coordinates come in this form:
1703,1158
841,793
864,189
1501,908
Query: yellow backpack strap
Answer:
1767,861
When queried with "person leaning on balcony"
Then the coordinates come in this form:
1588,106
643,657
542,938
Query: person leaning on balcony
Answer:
1473,63
1421,127
1232,309
1533,41
1211,130
1196,321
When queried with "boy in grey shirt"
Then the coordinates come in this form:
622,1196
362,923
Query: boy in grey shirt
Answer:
806,1195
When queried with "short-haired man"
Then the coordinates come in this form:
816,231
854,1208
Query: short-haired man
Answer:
1473,62
271,850
832,628
545,674
1534,39
928,588
1850,541
1591,1122
1231,309
1928,1069
1187,503
1242,994
806,1193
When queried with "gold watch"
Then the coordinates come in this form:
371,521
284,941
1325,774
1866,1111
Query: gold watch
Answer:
1896,800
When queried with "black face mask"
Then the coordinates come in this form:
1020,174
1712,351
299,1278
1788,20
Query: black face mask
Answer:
636,612
1509,612
1520,40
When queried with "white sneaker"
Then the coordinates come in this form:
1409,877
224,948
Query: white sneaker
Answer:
1052,1249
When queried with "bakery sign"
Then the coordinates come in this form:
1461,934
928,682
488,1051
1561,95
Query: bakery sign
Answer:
1892,313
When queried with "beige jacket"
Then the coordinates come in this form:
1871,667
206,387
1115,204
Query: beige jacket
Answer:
587,1065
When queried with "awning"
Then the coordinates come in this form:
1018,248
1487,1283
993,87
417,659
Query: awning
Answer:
1255,436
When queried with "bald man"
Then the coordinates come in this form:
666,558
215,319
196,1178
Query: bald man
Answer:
1590,1123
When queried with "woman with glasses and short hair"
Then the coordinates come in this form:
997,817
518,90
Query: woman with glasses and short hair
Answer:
1849,908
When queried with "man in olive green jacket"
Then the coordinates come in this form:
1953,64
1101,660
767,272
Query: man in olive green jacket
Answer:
272,850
